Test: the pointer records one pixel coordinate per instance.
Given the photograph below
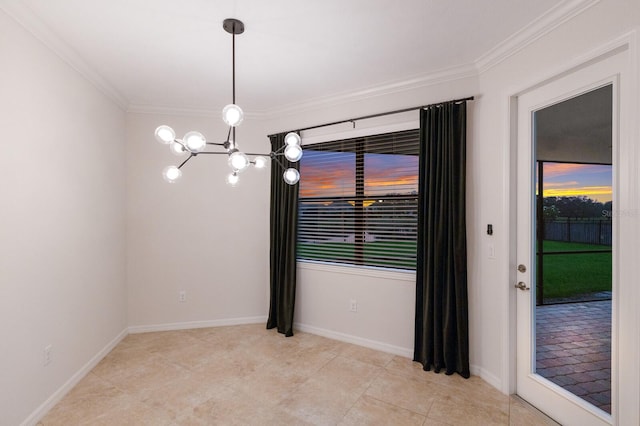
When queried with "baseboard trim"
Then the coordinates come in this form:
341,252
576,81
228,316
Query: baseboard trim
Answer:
348,338
490,378
43,409
196,324
46,406
385,347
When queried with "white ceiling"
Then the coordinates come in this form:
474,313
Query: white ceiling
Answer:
174,54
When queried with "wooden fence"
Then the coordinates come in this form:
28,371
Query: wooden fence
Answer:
587,231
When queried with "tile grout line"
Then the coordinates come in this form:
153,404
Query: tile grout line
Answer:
165,352
381,369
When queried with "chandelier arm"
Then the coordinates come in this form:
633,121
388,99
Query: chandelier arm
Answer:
280,151
215,143
273,157
226,153
214,152
191,155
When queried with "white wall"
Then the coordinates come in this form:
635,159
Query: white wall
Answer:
323,295
385,306
386,300
490,165
63,239
198,234
211,240
62,227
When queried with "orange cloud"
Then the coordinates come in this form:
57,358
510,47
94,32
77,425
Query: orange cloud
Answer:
561,169
399,181
365,203
391,179
321,181
317,180
550,185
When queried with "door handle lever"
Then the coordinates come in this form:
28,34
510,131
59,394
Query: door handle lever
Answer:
522,286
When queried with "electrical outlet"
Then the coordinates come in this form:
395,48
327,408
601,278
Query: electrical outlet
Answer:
353,305
182,296
46,355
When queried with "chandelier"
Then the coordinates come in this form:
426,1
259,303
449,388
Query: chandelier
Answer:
194,143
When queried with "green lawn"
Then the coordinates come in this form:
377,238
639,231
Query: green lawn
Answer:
551,246
567,275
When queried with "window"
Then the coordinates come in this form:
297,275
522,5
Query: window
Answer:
359,201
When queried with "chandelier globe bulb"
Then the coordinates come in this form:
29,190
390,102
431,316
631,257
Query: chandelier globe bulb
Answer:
165,134
232,115
260,162
195,141
291,176
293,153
232,179
171,174
292,138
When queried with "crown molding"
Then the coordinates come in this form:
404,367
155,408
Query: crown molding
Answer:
24,16
168,110
185,111
432,79
449,74
546,23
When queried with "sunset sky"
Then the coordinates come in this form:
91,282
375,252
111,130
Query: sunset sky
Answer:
333,174
565,180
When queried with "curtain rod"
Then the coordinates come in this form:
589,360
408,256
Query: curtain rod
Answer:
382,114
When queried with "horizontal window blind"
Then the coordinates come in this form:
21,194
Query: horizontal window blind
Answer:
359,201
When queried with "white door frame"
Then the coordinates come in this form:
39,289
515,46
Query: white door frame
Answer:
626,383
562,405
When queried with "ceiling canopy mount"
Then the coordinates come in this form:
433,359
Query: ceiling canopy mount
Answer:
233,26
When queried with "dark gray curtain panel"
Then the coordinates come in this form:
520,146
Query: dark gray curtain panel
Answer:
283,239
441,322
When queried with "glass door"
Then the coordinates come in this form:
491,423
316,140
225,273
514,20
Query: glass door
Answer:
566,133
573,247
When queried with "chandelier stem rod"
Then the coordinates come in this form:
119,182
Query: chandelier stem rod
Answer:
233,66
233,77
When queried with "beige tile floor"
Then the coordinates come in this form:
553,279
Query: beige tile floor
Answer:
246,375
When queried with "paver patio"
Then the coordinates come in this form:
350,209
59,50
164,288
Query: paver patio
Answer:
573,349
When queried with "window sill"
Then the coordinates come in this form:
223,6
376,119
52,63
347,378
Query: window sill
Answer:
368,271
